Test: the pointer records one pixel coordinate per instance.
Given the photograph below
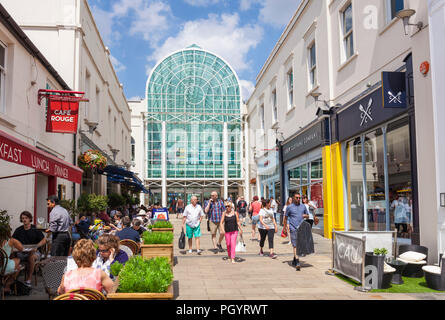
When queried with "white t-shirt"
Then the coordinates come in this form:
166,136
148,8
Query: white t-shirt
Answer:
193,214
274,205
268,216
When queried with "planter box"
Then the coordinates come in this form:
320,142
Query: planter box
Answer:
140,296
157,250
162,229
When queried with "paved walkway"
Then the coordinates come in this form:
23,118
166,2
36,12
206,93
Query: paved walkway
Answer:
210,277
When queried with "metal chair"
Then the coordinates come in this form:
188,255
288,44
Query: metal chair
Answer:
91,294
131,244
4,277
52,272
71,296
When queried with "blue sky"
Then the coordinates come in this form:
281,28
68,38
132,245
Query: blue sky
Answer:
140,33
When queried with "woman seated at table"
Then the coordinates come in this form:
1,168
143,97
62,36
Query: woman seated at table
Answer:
109,253
85,276
117,225
12,265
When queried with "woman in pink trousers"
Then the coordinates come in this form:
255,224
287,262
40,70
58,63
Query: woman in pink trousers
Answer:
230,225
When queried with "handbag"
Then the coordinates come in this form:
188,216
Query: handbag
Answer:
181,242
284,233
316,220
240,245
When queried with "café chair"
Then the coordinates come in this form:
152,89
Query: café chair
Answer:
131,244
127,250
53,269
413,269
91,294
71,296
435,276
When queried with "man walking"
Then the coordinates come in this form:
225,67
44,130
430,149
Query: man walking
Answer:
214,209
241,206
59,224
295,214
179,207
192,218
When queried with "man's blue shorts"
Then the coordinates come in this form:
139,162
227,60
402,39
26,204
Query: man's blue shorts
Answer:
190,232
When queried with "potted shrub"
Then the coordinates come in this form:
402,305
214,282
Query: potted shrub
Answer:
377,259
142,279
162,226
157,244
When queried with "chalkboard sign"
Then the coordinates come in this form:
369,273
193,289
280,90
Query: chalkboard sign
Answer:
348,256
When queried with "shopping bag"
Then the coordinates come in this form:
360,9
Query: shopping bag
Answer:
240,246
181,242
284,233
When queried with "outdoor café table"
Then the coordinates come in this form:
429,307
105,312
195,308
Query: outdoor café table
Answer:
399,266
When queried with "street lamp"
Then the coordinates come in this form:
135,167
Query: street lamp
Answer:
405,15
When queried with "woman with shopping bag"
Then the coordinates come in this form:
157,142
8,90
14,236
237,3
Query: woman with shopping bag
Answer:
230,225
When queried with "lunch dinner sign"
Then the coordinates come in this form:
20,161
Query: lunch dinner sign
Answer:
16,151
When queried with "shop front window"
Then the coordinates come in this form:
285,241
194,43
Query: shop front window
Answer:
373,171
399,178
375,181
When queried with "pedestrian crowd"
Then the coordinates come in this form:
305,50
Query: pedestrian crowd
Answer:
225,219
94,247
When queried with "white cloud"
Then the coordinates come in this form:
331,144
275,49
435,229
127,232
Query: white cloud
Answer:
151,19
118,66
278,12
247,4
247,88
201,3
220,34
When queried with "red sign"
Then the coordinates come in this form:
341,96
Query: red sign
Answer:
63,110
62,116
425,68
19,152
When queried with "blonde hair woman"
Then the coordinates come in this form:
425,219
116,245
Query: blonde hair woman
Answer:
230,226
85,276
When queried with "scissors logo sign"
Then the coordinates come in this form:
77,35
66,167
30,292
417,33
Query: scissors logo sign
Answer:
366,115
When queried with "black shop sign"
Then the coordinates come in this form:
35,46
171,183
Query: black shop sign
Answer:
308,140
364,115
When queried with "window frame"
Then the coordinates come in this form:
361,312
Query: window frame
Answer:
262,117
389,11
348,36
312,67
3,76
290,88
274,105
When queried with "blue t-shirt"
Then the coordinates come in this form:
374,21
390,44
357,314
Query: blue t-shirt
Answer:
295,214
129,233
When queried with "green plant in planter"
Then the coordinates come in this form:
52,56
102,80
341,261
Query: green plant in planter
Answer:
116,268
380,252
116,200
145,275
162,224
97,203
157,237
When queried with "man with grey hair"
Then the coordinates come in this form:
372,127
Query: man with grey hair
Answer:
191,218
214,209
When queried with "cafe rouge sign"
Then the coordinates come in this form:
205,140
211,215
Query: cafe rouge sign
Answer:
63,110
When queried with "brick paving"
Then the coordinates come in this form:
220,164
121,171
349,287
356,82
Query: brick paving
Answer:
210,277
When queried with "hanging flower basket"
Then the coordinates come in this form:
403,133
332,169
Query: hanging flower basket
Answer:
92,160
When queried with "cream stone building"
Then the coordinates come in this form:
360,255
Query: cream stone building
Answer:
323,115
66,33
33,163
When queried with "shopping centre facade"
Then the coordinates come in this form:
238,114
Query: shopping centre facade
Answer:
191,123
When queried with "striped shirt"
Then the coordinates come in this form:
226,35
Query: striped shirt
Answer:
215,211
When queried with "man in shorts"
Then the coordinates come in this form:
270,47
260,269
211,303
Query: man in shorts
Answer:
242,210
192,218
214,209
295,214
29,235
